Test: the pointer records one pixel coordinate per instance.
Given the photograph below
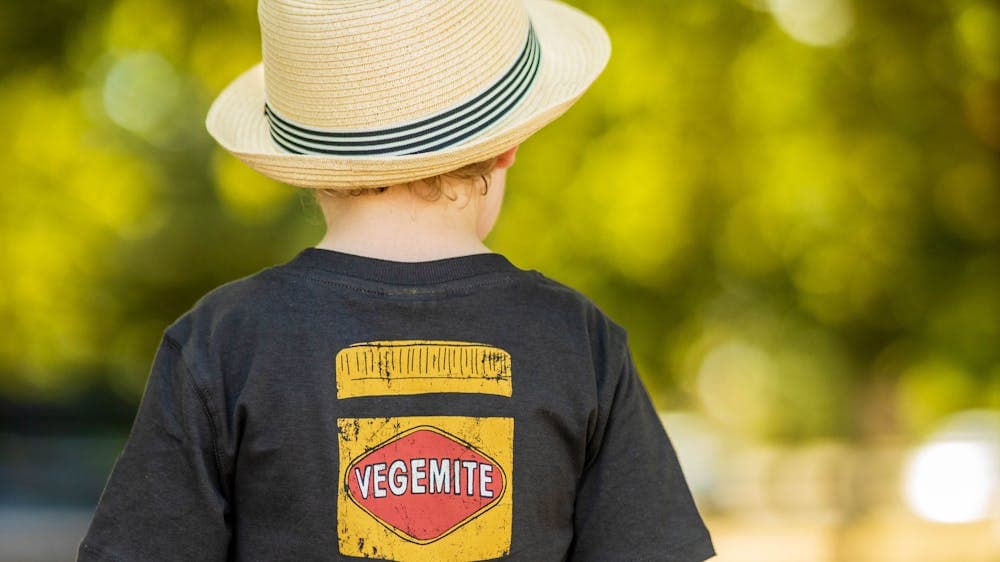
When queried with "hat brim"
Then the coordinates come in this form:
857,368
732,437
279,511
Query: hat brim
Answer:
575,49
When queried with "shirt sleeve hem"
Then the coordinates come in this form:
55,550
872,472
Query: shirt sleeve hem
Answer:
91,553
696,550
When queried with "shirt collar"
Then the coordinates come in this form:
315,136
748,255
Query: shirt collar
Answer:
400,272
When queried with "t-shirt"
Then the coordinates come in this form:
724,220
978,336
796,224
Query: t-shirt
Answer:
341,407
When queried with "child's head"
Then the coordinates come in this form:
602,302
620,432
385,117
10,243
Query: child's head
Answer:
345,101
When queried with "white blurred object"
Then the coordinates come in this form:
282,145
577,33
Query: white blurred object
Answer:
955,476
814,22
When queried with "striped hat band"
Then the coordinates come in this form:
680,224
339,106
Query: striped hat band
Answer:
442,130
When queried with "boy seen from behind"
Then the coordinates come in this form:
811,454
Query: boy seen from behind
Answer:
399,391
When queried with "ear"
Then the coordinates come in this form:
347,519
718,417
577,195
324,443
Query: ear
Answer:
506,160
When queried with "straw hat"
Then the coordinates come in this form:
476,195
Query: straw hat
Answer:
366,93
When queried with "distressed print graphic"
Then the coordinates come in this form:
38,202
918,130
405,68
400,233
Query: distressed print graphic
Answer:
425,488
396,367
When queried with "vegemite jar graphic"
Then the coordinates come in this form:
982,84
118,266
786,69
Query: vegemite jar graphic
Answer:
426,488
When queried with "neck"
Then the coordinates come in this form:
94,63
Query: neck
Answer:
399,226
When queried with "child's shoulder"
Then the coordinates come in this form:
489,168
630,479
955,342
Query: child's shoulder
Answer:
598,321
229,307
266,301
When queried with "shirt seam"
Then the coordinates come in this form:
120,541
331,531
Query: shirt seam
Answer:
100,552
682,552
203,398
411,291
705,540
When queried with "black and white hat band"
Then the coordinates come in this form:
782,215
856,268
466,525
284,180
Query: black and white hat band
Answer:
447,128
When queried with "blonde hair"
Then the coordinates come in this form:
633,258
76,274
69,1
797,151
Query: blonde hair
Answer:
431,188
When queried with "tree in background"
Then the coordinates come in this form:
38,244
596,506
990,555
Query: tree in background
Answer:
793,206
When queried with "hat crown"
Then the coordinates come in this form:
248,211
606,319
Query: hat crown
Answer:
356,65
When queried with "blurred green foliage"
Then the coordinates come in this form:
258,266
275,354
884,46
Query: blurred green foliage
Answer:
792,205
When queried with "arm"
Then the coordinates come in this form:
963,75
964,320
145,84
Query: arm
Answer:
164,498
633,502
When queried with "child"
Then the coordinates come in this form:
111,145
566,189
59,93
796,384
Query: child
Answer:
399,391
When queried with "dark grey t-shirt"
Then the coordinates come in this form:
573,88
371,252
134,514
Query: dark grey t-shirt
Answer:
337,407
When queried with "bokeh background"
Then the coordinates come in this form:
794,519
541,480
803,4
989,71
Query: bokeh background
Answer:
793,206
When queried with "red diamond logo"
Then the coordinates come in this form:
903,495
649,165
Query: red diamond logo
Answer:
424,483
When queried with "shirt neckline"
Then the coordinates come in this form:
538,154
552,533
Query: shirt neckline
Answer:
392,272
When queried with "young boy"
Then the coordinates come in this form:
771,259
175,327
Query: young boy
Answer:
399,391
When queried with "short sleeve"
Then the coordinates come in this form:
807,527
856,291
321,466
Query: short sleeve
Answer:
633,502
163,500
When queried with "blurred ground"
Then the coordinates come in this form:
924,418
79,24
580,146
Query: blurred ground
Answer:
825,502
